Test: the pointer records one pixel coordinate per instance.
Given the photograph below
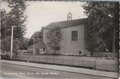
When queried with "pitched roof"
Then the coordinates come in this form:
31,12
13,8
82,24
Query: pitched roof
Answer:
66,24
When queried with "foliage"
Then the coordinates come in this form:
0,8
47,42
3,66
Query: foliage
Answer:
54,37
6,44
35,38
102,25
14,17
24,43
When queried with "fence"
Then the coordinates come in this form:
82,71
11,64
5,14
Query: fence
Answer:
98,64
106,54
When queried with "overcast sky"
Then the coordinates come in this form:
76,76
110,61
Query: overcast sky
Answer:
41,13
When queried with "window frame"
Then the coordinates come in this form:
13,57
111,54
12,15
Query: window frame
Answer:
74,35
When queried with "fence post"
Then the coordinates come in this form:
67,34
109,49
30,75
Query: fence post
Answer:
46,59
62,60
54,60
95,65
33,58
83,62
27,59
39,60
72,62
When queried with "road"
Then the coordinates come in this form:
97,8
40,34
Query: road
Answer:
10,71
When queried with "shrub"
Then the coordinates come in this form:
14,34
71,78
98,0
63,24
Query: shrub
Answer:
5,56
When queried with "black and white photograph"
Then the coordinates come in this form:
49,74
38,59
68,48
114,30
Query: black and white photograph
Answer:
59,39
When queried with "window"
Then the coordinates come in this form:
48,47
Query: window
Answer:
74,36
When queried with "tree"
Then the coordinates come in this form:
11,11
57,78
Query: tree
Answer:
35,38
15,17
24,43
4,29
102,25
54,37
6,44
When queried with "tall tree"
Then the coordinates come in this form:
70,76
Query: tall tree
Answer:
102,25
15,17
54,37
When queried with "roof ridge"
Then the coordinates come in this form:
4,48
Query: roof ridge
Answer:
71,20
69,23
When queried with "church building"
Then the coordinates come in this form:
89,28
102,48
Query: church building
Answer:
73,35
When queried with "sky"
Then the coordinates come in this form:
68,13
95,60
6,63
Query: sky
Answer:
40,13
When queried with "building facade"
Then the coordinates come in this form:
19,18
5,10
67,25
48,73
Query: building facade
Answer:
73,36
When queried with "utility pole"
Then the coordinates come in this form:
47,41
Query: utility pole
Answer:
11,48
